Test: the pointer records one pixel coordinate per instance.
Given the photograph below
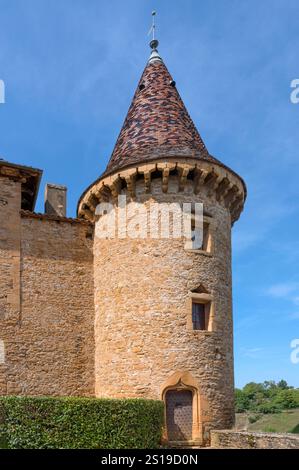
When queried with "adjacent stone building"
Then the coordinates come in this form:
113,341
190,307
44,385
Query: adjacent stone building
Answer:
126,316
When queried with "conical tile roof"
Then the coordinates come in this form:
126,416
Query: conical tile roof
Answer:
158,124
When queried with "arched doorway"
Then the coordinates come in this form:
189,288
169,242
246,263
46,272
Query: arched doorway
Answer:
183,408
179,414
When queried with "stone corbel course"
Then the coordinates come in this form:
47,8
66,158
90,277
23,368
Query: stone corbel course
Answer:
221,184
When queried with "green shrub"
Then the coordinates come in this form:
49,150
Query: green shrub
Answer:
78,423
295,430
253,418
267,408
287,399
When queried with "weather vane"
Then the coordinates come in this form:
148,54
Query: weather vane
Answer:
154,43
152,30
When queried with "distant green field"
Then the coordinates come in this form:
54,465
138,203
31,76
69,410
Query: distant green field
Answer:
286,421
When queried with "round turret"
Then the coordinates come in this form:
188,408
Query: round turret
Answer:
163,302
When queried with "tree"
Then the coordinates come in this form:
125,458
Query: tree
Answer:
283,385
241,401
266,397
269,385
286,399
252,388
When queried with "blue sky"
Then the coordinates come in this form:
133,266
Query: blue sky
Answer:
70,68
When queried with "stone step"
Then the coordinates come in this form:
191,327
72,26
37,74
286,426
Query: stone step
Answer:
185,445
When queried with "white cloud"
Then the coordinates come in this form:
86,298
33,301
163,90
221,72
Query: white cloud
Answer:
262,217
284,290
252,353
289,292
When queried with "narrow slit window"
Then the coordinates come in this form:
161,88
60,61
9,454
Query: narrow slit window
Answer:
2,352
197,242
206,237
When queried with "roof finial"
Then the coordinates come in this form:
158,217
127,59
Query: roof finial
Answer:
154,42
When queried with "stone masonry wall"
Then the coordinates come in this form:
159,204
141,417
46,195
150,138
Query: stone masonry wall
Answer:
10,233
142,308
228,439
49,342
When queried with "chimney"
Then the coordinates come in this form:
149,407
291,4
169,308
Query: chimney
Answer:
55,200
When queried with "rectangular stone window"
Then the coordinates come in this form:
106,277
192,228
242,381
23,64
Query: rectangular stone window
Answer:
206,244
200,315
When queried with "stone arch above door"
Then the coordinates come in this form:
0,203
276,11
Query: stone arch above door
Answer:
183,378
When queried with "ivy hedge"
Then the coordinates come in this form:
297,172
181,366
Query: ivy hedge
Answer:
80,423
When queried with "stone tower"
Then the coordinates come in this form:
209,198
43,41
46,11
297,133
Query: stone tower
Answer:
163,307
